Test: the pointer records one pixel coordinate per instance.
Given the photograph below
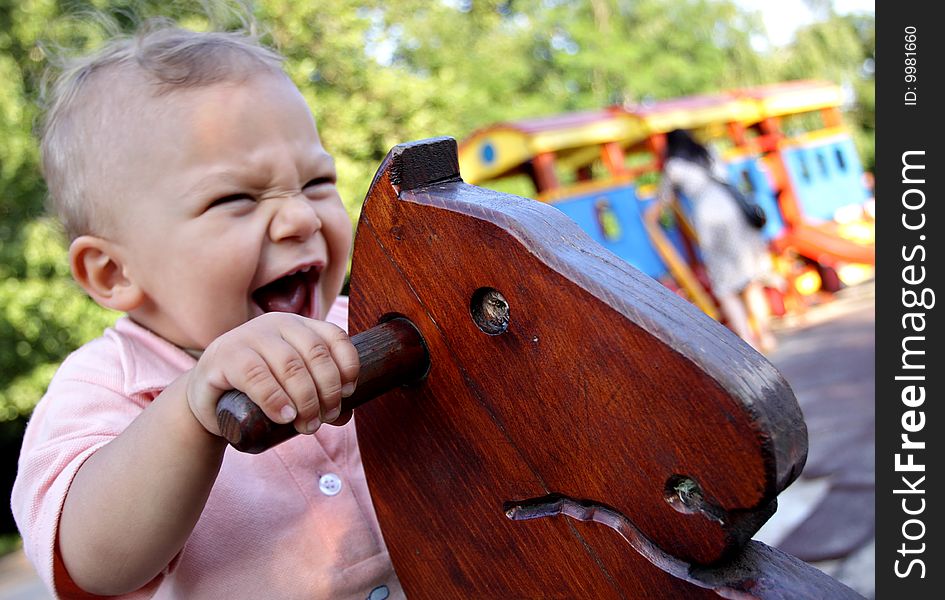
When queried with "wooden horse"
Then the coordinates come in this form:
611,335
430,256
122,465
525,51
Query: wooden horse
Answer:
555,423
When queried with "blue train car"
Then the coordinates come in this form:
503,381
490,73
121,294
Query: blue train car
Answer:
826,174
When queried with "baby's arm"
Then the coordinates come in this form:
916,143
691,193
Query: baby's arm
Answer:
133,504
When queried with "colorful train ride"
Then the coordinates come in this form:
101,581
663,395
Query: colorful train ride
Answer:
783,144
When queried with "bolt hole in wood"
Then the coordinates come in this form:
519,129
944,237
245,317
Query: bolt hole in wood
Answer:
490,310
684,494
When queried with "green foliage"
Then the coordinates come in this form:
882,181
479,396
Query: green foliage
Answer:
43,317
9,542
379,73
840,49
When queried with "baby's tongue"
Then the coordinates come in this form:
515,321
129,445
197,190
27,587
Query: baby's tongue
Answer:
288,294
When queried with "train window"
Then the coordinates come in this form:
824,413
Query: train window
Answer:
565,177
800,123
518,185
599,171
584,173
841,162
805,172
822,162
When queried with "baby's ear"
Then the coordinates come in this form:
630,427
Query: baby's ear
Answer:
97,266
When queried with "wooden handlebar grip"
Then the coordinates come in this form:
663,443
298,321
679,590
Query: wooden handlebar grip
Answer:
392,354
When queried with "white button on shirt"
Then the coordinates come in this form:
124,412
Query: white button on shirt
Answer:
329,484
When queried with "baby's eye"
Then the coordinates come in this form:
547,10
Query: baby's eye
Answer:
231,198
319,181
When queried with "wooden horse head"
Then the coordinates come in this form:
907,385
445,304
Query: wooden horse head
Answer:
561,382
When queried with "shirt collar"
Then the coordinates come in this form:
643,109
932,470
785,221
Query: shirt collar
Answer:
149,361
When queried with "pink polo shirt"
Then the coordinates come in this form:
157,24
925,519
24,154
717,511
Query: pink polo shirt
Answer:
293,522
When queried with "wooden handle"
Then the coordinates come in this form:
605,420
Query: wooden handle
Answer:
392,354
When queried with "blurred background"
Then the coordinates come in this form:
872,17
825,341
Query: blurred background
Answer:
380,73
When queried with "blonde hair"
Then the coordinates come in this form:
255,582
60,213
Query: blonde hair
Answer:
159,53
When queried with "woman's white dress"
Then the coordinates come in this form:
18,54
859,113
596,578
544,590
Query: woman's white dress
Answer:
734,252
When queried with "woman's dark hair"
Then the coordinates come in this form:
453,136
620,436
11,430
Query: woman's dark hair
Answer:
679,144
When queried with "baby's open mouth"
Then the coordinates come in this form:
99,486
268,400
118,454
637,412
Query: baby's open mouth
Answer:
293,293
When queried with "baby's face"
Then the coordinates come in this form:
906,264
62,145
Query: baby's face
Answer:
231,211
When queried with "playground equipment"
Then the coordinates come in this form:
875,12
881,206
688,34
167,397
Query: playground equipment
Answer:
816,176
554,381
784,145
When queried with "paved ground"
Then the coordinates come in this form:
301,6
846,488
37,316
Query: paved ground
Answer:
827,516
18,581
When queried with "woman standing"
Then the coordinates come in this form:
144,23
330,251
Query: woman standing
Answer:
733,251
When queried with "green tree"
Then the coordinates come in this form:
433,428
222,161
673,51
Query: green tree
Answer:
647,49
509,60
42,315
842,49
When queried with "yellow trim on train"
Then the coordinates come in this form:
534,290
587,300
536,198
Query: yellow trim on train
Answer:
513,147
510,145
816,138
806,99
694,118
622,128
735,153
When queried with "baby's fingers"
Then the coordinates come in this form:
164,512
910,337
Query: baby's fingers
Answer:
253,375
332,360
342,350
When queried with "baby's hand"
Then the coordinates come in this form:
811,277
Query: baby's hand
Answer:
296,369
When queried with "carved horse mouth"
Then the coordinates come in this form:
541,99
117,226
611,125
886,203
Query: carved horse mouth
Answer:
736,579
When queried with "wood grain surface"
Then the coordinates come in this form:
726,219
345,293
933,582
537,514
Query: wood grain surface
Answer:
605,388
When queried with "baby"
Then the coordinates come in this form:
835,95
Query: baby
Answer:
189,175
